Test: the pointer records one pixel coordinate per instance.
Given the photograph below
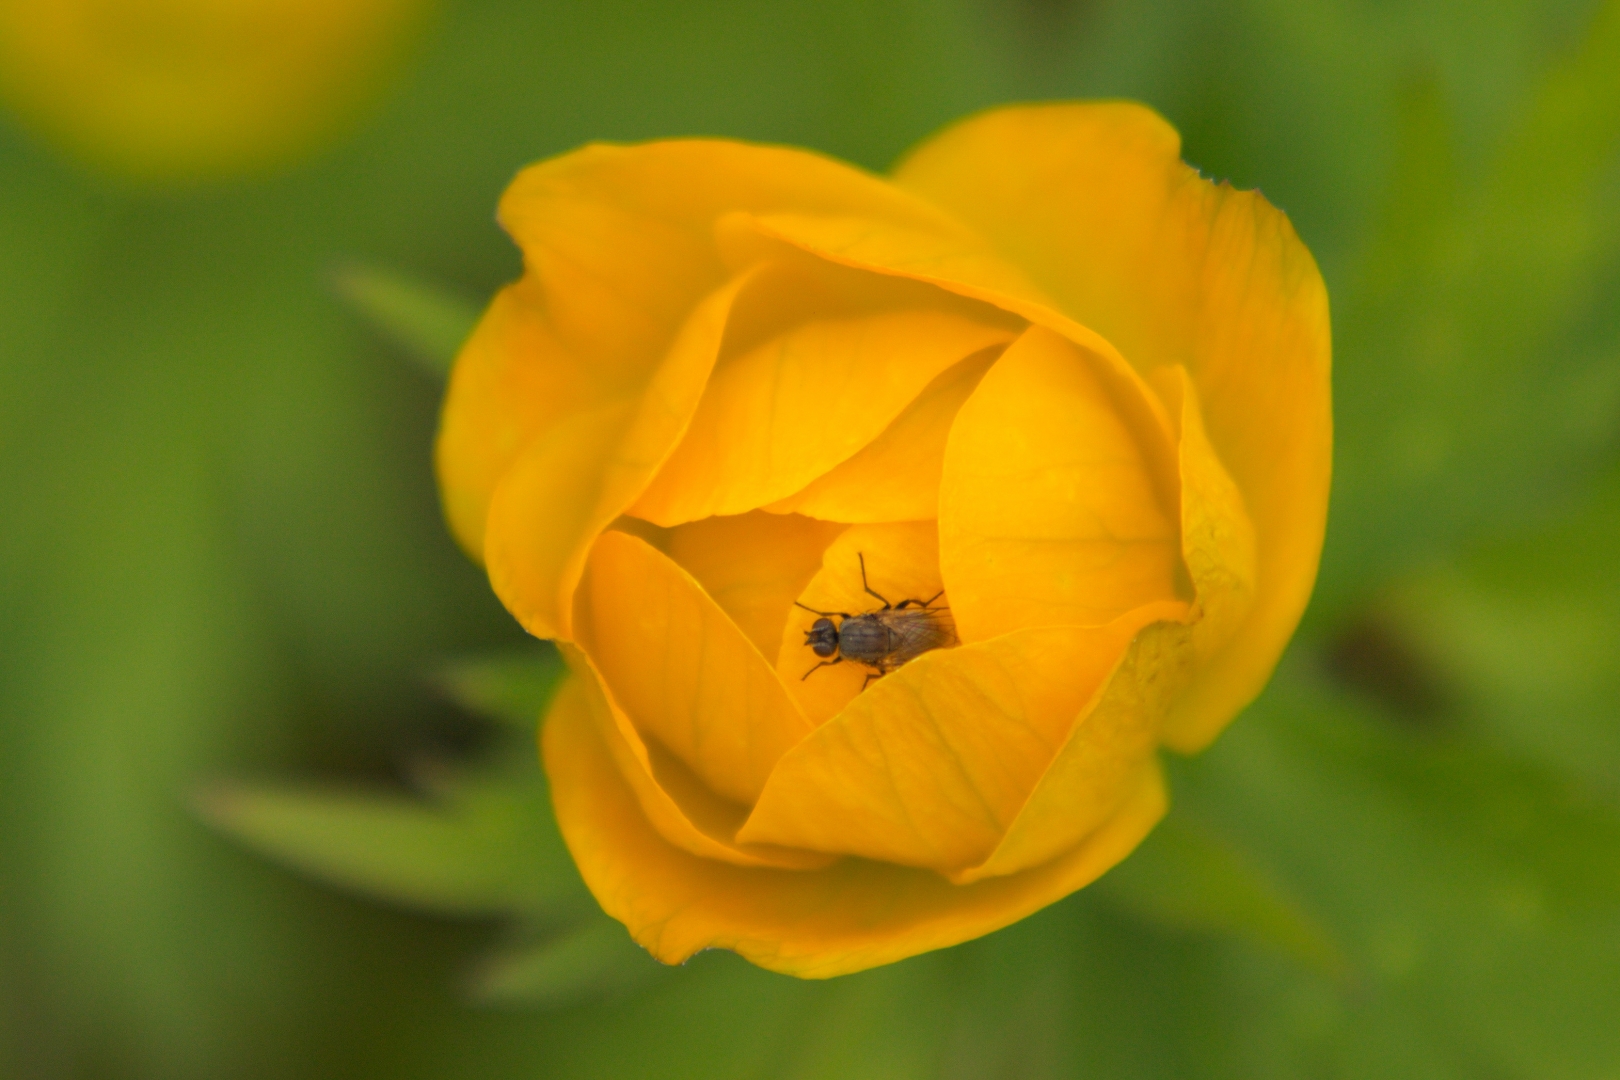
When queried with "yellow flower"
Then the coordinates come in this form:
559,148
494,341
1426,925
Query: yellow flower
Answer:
180,89
1044,368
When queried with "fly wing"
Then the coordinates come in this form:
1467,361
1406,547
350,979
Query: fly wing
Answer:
917,630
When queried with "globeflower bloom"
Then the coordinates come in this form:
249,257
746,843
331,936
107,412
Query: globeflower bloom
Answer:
1046,384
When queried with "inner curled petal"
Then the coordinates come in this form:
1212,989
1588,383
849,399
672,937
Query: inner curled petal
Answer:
895,477
785,406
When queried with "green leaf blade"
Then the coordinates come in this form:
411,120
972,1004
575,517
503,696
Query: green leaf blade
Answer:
381,845
591,960
427,321
513,688
486,845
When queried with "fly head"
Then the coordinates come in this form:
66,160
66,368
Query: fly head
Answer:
822,637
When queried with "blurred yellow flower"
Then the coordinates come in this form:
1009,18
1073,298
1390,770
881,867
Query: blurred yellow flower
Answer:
179,89
1044,371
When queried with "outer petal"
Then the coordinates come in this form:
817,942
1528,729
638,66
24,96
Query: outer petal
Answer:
754,566
1050,512
929,766
576,478
618,244
1093,203
896,476
683,672
815,924
512,380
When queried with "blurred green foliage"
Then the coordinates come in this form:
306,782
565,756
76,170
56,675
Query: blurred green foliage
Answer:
222,567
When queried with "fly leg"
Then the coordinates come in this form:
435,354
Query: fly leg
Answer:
824,663
825,614
870,675
920,603
868,588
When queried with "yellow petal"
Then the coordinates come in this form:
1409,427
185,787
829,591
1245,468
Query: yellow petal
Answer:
902,563
896,476
781,414
814,924
1218,548
1050,511
682,670
754,566
1097,768
1093,203
574,479
511,382
676,803
931,764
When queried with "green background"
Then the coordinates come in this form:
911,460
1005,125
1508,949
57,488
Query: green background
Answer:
222,567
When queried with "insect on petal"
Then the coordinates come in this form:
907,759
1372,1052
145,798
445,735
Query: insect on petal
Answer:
902,562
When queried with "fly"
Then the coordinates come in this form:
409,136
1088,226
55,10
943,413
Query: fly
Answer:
883,639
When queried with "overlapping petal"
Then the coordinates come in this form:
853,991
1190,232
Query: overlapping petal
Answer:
1094,204
688,678
573,480
931,764
959,262
783,413
816,923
